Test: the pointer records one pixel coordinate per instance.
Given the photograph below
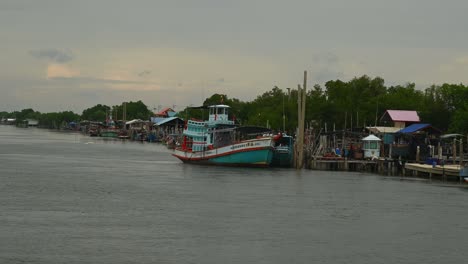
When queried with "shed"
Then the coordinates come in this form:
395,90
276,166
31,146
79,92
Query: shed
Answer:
371,146
400,118
32,122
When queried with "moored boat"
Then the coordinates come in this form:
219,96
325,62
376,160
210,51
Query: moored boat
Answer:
218,141
283,151
109,130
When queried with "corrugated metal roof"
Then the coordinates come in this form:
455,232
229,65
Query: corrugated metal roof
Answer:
157,119
413,128
381,129
165,120
403,115
134,121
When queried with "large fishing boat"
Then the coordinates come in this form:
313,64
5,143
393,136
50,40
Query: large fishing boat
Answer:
219,141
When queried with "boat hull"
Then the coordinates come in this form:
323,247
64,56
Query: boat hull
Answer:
283,152
282,158
109,133
251,154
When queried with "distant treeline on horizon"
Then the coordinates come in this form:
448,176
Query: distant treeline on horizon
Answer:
359,102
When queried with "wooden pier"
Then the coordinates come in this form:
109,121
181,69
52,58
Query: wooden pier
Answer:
385,166
442,171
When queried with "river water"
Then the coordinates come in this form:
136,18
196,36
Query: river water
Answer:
69,198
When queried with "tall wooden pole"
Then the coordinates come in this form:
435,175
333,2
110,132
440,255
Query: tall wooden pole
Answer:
298,132
304,97
301,103
343,143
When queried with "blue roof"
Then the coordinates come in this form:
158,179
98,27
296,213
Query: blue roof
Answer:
157,119
413,128
168,119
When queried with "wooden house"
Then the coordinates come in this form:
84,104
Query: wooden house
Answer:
399,118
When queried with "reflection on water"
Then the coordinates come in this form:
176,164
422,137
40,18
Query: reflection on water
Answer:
69,198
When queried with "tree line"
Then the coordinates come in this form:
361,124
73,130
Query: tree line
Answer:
357,103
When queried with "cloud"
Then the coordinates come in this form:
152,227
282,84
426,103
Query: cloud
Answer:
107,84
462,60
53,55
325,58
60,71
144,73
327,67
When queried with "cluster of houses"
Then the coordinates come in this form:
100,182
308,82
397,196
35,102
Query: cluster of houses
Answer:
401,135
161,126
25,123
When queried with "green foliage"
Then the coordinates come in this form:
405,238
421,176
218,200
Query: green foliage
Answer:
96,113
361,100
134,110
57,120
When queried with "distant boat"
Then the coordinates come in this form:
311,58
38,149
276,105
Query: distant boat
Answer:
110,130
283,151
218,141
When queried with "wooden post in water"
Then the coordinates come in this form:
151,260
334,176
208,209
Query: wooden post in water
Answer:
454,151
304,98
298,129
460,150
439,151
301,103
417,153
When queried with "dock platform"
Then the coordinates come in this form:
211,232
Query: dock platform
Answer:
439,170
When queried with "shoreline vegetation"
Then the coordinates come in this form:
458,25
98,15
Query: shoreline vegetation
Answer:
359,102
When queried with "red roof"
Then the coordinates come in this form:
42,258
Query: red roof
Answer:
164,111
403,115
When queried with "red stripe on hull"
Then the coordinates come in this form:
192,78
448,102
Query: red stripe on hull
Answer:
185,159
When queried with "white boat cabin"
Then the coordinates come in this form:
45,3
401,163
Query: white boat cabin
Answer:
219,114
200,135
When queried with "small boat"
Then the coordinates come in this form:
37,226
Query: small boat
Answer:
93,132
171,141
283,151
219,141
464,173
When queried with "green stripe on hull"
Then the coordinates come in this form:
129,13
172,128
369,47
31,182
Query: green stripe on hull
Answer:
256,157
109,134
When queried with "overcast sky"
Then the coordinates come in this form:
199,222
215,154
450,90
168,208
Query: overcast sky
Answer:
61,55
